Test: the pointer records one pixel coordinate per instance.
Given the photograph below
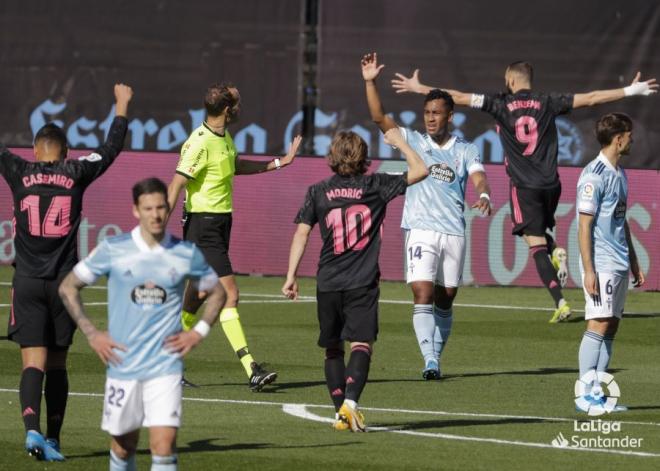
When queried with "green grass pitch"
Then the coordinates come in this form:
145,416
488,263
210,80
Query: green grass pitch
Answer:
507,392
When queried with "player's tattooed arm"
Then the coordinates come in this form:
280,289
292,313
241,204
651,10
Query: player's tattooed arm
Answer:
403,84
100,342
370,71
638,275
298,245
597,97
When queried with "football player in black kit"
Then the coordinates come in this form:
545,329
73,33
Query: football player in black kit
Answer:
350,209
526,126
47,196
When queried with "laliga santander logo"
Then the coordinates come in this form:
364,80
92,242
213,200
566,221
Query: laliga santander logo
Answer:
596,402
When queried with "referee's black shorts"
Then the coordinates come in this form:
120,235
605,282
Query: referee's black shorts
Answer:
350,315
38,317
211,232
533,209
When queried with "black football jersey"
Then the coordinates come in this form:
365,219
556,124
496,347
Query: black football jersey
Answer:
350,212
47,199
526,125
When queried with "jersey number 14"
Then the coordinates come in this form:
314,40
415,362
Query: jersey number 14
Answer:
350,230
57,221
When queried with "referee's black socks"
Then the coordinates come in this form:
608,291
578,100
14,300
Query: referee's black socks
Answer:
29,393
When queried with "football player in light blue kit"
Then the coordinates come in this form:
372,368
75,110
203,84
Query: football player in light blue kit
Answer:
433,215
606,252
147,270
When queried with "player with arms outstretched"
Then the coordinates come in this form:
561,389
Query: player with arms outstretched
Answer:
527,130
433,215
47,196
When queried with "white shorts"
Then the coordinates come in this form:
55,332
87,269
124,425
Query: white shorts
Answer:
131,404
434,256
613,290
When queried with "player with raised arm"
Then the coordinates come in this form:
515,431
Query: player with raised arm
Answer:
527,130
433,215
606,252
349,208
147,270
206,170
47,197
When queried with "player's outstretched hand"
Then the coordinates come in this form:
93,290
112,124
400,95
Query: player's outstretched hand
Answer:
646,88
183,342
483,205
290,288
105,347
403,84
293,150
370,67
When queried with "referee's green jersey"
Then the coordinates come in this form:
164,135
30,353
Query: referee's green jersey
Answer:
208,161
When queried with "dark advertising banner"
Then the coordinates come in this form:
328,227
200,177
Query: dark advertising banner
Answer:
60,59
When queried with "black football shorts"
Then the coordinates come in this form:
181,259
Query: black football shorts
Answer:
533,209
211,232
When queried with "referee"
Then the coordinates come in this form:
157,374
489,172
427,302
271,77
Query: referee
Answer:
206,169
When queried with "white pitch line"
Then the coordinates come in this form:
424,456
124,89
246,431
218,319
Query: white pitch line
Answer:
298,410
277,299
371,409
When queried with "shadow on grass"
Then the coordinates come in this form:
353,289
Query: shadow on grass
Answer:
538,371
434,424
207,445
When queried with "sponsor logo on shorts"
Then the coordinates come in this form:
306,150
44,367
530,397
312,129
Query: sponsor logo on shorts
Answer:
149,294
442,172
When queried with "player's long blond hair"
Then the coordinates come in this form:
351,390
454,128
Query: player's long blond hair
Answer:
348,154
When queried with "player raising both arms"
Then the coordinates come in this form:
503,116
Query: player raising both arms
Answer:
433,215
47,196
526,123
349,208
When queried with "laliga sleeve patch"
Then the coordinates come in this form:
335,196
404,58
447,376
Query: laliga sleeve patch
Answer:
587,191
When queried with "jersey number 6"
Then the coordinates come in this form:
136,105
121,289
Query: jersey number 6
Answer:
348,224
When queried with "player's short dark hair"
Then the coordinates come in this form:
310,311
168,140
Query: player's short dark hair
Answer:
53,133
523,68
348,154
147,186
611,124
218,97
437,94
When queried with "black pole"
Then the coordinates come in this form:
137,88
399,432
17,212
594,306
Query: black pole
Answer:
309,90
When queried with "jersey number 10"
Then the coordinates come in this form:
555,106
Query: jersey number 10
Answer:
57,221
348,224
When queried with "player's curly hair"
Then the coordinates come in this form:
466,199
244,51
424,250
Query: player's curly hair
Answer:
610,125
218,97
437,94
348,154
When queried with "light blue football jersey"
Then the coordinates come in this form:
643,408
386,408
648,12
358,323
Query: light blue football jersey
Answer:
145,293
437,202
602,191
